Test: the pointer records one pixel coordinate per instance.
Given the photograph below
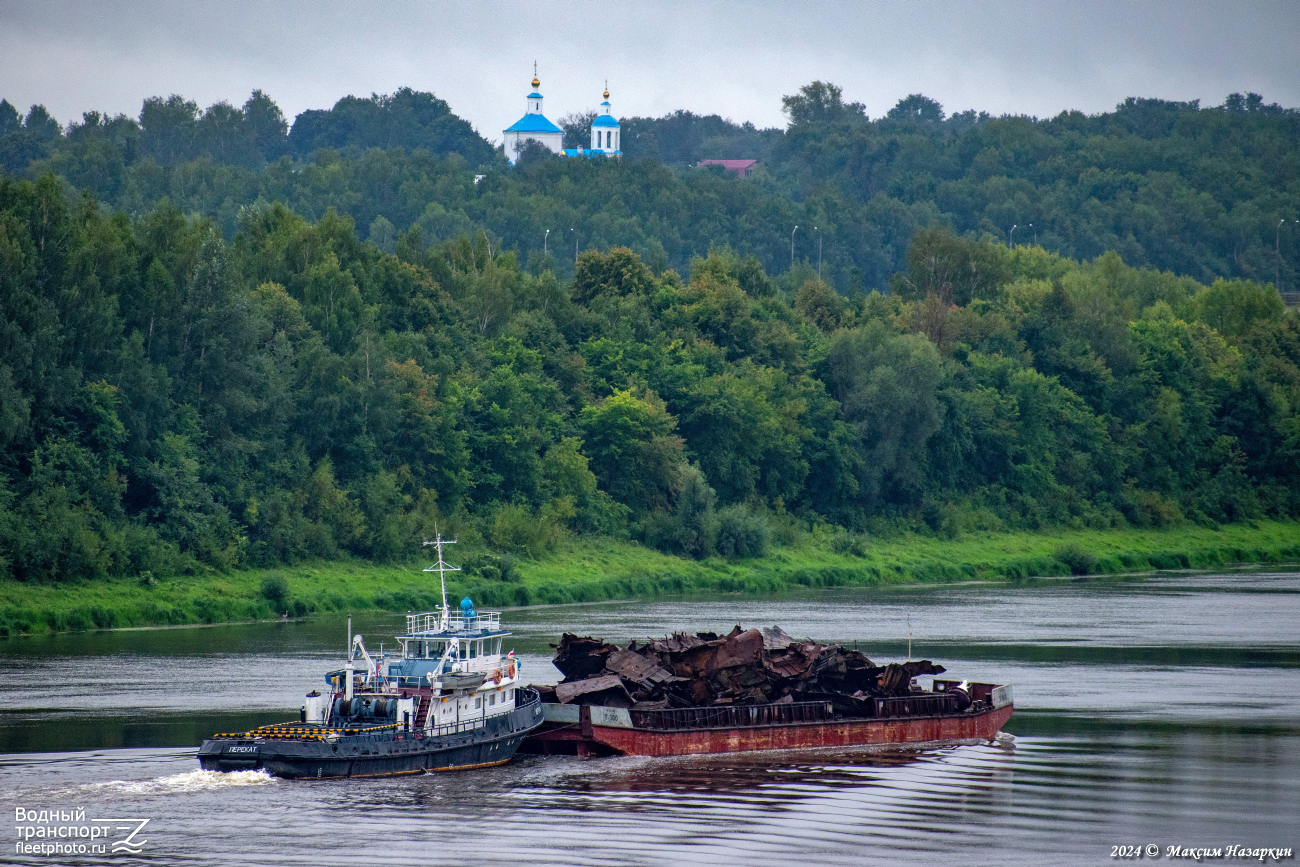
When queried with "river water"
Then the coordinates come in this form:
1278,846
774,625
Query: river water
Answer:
1152,710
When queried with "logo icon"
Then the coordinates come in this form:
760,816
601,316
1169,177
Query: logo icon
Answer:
129,843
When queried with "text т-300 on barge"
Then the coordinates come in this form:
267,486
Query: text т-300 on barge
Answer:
450,700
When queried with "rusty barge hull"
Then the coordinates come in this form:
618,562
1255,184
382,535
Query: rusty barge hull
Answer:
847,733
610,731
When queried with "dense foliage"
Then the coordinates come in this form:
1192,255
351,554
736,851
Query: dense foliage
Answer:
202,363
170,397
1170,185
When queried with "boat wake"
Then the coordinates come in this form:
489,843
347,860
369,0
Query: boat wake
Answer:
190,781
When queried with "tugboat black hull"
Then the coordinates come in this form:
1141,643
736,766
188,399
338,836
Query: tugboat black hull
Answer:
382,754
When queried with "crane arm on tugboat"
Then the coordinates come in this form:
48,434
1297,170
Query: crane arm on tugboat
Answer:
359,644
442,662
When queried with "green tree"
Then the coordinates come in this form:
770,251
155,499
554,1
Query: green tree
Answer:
820,102
1232,307
632,449
953,269
917,108
620,272
169,128
267,124
887,384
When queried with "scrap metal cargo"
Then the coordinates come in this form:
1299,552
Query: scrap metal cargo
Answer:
750,690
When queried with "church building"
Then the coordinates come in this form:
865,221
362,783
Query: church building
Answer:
604,130
535,126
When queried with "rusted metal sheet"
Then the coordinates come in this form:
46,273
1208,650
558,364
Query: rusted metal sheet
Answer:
790,661
743,649
567,692
775,638
578,658
678,642
896,677
638,668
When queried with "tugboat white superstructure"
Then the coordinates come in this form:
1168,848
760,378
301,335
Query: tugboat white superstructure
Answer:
449,700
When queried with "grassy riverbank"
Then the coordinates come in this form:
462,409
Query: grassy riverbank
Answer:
601,569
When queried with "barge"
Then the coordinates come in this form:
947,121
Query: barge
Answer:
449,700
931,716
755,689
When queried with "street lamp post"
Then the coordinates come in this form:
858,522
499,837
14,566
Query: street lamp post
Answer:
544,237
792,231
819,252
1011,239
1031,225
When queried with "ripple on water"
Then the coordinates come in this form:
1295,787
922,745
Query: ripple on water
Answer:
1007,802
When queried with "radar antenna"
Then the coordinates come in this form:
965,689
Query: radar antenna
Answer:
442,568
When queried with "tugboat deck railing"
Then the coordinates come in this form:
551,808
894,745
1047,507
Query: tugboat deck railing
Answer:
431,622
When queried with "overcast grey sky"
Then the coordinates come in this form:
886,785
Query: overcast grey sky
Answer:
736,59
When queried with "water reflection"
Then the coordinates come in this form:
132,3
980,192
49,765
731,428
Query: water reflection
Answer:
1151,709
752,773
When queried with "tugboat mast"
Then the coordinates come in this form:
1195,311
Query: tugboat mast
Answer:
442,569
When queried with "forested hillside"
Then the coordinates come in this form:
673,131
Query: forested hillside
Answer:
172,397
1174,186
227,342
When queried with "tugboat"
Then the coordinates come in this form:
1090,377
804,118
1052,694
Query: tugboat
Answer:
449,701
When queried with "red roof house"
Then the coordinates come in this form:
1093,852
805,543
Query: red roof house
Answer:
740,167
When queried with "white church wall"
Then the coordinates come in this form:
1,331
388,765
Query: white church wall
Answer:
553,141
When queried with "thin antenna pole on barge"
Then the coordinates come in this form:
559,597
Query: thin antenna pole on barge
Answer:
442,568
